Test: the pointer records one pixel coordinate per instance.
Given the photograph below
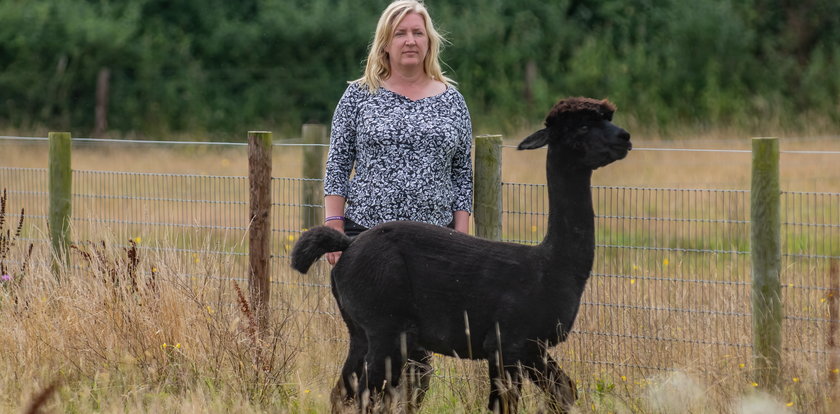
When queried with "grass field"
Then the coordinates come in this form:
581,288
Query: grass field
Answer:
169,332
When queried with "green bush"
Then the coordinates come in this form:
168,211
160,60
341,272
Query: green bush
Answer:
218,67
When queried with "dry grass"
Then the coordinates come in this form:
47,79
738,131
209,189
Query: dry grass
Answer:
163,334
164,330
130,330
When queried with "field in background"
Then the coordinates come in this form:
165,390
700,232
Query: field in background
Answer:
683,211
800,172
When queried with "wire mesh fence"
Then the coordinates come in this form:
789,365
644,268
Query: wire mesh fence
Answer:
670,286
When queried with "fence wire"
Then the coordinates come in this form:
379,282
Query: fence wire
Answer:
670,286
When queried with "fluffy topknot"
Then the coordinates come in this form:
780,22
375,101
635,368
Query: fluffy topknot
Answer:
603,108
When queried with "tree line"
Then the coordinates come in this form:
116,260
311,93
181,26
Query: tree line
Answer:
217,67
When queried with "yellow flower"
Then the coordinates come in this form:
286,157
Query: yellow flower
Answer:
137,239
790,404
163,346
623,378
291,237
178,345
306,391
210,310
741,365
154,270
635,267
835,371
632,281
755,384
665,262
822,300
533,229
795,379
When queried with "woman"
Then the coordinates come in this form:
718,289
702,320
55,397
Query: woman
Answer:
406,129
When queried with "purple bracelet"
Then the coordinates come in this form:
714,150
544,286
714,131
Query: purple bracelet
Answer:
331,218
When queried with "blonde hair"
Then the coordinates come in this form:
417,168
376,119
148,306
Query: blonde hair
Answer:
378,68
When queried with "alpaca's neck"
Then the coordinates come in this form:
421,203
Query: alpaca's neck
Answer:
570,239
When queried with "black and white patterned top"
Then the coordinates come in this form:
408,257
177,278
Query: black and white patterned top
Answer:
412,158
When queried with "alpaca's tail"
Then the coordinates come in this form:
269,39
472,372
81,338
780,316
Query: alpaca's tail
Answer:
314,243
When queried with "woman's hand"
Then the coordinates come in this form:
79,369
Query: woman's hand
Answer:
332,257
462,221
334,207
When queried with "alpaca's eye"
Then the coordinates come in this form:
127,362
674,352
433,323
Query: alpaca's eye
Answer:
583,129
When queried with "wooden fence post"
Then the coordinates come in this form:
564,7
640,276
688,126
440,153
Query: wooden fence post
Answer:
61,186
833,324
487,205
765,242
259,228
313,174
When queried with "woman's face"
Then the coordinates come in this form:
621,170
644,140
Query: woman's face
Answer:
410,42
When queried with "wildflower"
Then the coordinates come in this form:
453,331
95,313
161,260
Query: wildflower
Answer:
533,229
178,345
137,239
210,310
822,300
790,404
795,379
163,346
755,384
835,371
741,365
635,267
665,262
6,278
632,281
623,378
306,391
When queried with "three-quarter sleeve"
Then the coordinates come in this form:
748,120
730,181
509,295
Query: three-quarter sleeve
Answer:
462,177
342,153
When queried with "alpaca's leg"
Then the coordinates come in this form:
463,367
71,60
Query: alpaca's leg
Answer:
547,374
348,386
418,375
505,385
383,366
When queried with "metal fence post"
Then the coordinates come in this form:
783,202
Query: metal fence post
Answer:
487,205
313,170
60,184
259,229
765,252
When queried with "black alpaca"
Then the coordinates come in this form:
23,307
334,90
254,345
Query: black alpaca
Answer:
406,289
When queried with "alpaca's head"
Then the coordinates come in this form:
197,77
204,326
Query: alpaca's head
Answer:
582,128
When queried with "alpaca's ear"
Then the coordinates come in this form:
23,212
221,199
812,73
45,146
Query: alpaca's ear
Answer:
536,140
